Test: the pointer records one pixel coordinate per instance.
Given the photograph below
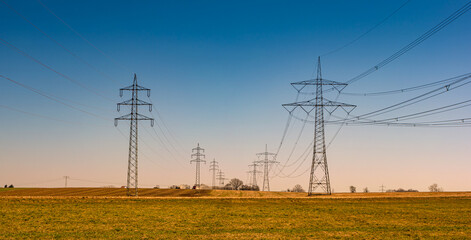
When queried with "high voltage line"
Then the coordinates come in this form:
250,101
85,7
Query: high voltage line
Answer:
59,44
80,59
11,46
413,115
414,43
393,57
53,98
365,33
36,115
82,37
398,91
422,97
110,58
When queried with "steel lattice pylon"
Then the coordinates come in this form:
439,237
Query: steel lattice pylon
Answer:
221,178
213,167
198,159
319,176
134,117
266,162
253,173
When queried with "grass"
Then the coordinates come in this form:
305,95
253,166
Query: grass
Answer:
212,217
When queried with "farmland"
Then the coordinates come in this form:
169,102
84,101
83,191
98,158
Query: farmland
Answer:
189,214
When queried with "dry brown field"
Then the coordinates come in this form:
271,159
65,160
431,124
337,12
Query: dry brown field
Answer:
106,213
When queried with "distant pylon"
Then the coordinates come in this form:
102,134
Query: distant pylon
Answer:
253,173
213,166
220,178
198,158
382,188
319,171
66,178
266,162
133,117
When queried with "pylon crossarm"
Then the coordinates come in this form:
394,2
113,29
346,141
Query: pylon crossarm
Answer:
198,155
131,88
137,88
265,153
131,103
317,81
138,117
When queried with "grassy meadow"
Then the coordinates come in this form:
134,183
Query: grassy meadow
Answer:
209,216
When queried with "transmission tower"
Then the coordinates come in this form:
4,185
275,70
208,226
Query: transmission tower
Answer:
266,162
220,177
213,166
134,117
66,178
319,171
382,188
253,173
198,158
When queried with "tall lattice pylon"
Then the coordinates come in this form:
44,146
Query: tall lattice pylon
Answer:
134,117
253,174
319,176
266,167
213,166
198,158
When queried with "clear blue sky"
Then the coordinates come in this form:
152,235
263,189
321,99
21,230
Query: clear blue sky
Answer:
219,72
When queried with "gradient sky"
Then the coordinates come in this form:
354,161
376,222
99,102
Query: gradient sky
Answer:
219,72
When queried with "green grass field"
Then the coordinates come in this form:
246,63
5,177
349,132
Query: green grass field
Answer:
388,217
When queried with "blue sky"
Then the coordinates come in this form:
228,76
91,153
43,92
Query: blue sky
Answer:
219,72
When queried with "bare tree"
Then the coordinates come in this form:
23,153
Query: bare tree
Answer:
353,189
297,188
236,183
434,188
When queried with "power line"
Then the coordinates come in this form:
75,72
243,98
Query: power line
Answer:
4,42
397,91
35,114
461,122
420,114
159,116
368,31
59,44
413,44
52,98
422,97
82,37
166,138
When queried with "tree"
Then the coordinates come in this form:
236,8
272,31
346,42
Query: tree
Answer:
434,188
297,188
5,186
353,189
236,183
11,186
365,190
